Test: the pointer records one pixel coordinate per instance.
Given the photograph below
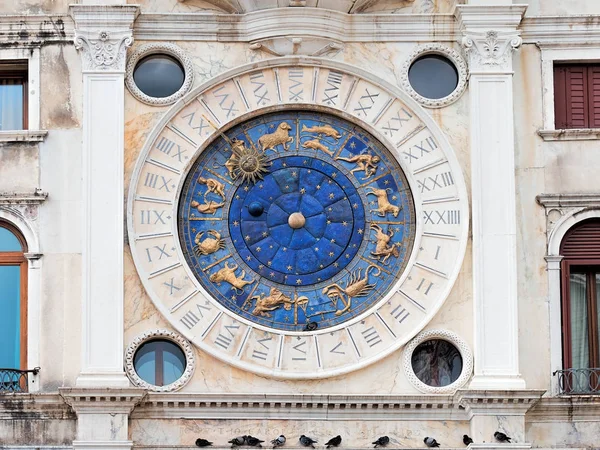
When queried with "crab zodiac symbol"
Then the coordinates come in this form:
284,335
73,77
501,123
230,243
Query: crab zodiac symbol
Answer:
209,244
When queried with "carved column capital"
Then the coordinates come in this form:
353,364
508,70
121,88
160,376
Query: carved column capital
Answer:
490,51
103,34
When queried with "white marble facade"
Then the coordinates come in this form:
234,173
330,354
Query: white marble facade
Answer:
70,182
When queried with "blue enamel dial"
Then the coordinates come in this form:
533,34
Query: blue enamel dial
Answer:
296,220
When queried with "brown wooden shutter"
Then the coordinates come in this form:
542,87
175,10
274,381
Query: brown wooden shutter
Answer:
573,96
594,89
582,242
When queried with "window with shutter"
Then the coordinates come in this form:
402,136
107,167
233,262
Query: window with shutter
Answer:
577,96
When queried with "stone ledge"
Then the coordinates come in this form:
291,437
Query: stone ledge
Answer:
579,408
23,198
587,200
575,134
34,407
23,136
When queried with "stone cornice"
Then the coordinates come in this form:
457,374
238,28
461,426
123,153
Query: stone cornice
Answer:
23,136
102,400
298,407
561,31
586,200
502,403
580,408
34,406
483,18
23,198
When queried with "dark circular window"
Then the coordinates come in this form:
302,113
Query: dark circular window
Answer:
433,76
159,362
159,76
437,363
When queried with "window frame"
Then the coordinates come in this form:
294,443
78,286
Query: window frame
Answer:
552,55
13,259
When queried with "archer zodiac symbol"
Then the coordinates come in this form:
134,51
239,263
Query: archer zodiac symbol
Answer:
209,244
267,303
382,248
383,204
280,136
355,287
227,274
327,130
212,185
365,162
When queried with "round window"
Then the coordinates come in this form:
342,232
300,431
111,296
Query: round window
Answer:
437,363
159,362
159,75
433,76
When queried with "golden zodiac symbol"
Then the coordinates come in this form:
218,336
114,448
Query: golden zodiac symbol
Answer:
212,185
383,204
355,287
382,248
276,298
315,144
365,162
227,274
209,207
327,130
280,136
209,244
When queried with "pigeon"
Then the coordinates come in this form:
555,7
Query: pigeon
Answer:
334,442
307,442
431,442
467,440
253,442
240,440
203,443
382,441
311,326
501,437
278,442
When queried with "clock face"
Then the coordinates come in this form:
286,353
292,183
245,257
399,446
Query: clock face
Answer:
297,221
313,234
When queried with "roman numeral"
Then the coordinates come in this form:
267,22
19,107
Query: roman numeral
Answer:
441,180
368,100
190,319
171,286
223,340
437,252
260,354
202,124
299,348
166,145
261,97
446,217
426,285
371,336
399,313
229,109
150,215
426,146
296,90
392,127
334,80
336,350
157,182
162,252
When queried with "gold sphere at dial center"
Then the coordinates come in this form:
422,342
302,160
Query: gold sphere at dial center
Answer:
296,220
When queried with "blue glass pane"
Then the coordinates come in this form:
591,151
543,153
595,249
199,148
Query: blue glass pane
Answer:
11,107
10,296
173,364
145,364
8,241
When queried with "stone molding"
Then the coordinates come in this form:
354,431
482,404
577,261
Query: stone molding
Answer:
585,134
578,408
34,406
498,403
183,343
561,207
23,198
435,49
490,51
453,338
159,48
103,34
102,400
23,136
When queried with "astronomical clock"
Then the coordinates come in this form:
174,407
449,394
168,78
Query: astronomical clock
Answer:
297,220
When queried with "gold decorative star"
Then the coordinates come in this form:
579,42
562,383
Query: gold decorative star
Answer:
360,231
302,191
316,249
272,274
258,249
331,195
329,222
333,241
298,281
318,186
269,263
235,223
265,234
335,264
247,237
248,258
246,188
345,223
289,268
331,254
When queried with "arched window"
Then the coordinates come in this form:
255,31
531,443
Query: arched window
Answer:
580,249
13,298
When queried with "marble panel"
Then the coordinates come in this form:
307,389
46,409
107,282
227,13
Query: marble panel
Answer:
19,167
563,434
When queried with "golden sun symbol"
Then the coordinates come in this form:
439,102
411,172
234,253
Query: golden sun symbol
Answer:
248,163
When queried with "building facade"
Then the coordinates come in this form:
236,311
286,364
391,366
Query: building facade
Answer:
222,218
